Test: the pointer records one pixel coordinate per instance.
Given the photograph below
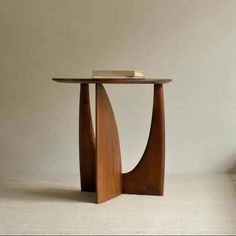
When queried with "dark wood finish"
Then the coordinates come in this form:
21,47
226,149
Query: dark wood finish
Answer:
112,81
86,142
148,176
100,163
108,159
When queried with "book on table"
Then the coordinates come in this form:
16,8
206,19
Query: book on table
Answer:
117,74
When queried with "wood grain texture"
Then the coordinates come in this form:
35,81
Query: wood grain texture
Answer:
108,159
112,81
148,176
86,142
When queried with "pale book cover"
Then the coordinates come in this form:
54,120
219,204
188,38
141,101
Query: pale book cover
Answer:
118,74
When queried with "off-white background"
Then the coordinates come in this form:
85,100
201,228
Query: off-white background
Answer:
192,42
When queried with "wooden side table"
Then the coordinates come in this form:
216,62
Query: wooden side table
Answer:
100,159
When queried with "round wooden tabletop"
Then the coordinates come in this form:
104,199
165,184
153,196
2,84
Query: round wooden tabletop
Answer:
112,81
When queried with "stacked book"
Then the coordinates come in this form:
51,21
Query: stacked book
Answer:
117,74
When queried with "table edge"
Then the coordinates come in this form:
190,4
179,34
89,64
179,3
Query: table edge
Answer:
111,81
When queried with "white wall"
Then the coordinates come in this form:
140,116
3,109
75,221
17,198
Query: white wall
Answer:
192,42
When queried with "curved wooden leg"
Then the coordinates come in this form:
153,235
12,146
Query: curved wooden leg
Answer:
148,176
86,142
108,160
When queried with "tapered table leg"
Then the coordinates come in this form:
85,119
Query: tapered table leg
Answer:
86,142
148,176
108,160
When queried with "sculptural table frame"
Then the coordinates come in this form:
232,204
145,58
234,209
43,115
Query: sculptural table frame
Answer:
100,159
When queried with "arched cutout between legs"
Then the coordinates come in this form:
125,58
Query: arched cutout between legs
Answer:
148,176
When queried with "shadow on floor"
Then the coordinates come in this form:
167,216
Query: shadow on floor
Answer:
44,193
233,182
232,171
231,164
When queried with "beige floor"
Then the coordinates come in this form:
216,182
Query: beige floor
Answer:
191,205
